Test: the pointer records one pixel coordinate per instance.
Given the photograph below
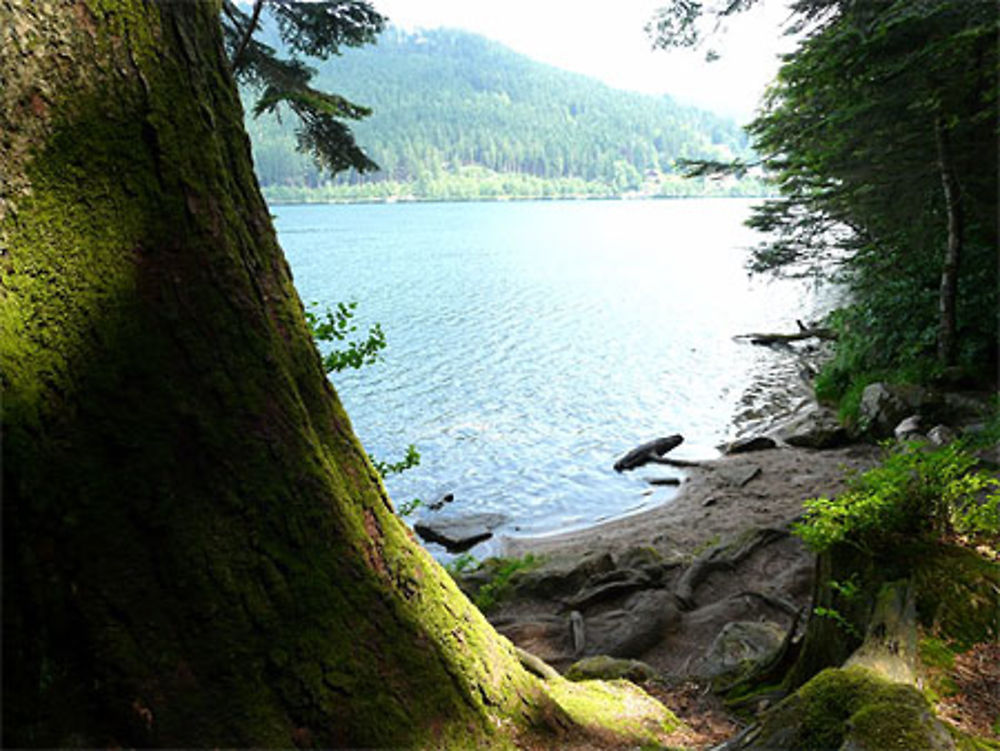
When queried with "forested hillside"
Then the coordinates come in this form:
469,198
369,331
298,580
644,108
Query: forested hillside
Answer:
457,115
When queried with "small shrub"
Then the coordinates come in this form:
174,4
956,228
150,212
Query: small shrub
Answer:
461,564
335,325
412,459
913,493
834,615
494,590
408,507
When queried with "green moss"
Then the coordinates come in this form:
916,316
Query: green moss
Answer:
936,653
851,703
967,743
615,709
900,722
958,594
603,667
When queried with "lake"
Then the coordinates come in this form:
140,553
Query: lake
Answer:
532,343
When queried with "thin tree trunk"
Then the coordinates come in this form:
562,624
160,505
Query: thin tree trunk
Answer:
197,551
947,334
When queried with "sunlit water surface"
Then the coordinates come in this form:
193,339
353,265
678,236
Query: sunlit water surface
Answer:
531,343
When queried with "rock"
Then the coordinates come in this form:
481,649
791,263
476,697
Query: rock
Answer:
941,435
648,452
605,668
852,709
746,445
739,649
460,533
630,631
959,408
547,637
817,428
441,502
738,476
663,480
884,406
560,577
908,429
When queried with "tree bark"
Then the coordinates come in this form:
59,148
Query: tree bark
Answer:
197,551
947,345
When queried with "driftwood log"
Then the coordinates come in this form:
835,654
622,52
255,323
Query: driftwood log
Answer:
652,451
804,332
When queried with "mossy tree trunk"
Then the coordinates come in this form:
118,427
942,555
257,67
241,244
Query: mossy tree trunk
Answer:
196,549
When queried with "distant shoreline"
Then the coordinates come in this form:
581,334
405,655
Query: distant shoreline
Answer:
319,201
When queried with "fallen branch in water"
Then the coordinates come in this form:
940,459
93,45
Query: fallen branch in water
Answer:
804,332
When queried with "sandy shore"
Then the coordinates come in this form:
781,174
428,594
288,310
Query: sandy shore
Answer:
719,498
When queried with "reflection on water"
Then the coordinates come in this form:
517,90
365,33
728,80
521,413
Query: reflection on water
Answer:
532,343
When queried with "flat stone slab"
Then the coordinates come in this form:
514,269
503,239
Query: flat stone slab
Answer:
458,534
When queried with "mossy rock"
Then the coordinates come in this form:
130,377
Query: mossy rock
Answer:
850,708
617,710
603,667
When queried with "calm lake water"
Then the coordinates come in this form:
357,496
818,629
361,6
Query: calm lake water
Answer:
531,343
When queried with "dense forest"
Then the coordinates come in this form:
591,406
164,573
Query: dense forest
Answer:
455,115
881,135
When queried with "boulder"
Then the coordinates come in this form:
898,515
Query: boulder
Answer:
739,649
883,406
941,435
547,637
559,578
816,428
748,444
458,534
959,408
908,429
637,627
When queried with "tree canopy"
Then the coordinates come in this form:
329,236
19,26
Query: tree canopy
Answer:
880,132
317,30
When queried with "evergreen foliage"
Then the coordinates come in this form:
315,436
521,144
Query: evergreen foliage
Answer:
881,133
315,29
456,115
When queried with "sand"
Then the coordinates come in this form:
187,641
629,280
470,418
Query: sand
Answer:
714,502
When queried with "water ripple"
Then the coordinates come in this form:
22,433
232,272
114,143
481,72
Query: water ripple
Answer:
532,343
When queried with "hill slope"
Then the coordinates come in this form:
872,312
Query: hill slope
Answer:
457,115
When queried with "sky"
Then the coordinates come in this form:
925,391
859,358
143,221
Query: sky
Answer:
607,40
